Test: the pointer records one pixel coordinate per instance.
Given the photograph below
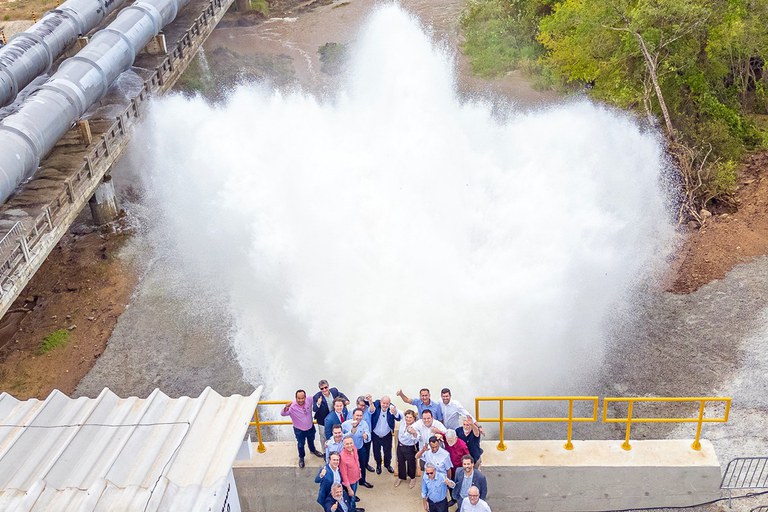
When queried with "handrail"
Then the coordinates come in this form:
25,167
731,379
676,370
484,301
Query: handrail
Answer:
699,420
570,419
256,422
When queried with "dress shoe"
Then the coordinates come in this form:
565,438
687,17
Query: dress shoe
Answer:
378,469
358,509
318,454
412,483
366,484
389,468
398,482
357,498
301,462
368,467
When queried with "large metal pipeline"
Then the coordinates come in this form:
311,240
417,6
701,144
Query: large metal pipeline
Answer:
29,54
46,115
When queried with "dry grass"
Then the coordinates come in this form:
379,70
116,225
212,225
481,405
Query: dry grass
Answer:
11,10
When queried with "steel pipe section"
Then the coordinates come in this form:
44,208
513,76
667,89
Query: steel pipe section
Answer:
46,115
32,53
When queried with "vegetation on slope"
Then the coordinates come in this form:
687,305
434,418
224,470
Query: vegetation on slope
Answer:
696,67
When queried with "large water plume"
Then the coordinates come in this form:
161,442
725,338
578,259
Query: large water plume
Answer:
396,236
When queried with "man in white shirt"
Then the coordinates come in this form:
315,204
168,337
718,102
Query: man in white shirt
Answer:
473,503
426,427
452,410
437,456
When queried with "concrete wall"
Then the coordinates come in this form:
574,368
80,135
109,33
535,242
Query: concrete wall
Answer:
530,475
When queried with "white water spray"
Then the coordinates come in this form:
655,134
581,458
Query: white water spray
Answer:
397,237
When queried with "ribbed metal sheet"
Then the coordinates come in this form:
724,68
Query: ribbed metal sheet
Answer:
119,454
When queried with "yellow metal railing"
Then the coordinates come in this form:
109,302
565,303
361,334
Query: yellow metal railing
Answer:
256,422
699,420
570,419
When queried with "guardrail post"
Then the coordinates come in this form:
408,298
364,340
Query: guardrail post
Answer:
626,445
261,448
24,248
568,443
696,444
501,447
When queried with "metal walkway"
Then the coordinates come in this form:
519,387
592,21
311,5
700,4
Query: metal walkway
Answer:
34,219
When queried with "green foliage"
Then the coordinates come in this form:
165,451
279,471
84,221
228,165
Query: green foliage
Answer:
500,35
261,6
722,180
705,61
57,338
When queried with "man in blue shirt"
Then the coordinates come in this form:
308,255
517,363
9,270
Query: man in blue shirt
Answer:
434,489
425,402
361,435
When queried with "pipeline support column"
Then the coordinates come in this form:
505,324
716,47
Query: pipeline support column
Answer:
103,203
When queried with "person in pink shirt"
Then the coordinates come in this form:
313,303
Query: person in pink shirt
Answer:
300,412
350,469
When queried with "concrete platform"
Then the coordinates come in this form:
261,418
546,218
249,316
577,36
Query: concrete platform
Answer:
529,475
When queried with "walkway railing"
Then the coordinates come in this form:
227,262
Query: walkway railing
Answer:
570,419
257,423
21,246
629,419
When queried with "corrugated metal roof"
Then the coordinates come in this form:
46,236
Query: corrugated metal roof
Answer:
119,454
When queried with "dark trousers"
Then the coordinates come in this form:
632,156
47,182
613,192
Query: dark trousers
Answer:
363,454
309,436
440,506
406,461
385,444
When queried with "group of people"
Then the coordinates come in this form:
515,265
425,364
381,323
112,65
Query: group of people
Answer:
443,437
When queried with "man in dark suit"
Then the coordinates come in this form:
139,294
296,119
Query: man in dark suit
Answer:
337,417
466,479
338,501
382,426
327,476
322,403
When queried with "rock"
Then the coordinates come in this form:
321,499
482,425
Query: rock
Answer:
705,214
72,327
91,318
54,317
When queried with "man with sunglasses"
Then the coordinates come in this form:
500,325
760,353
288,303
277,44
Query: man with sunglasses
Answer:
322,405
434,489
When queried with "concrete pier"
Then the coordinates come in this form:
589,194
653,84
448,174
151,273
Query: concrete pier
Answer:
528,476
103,202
